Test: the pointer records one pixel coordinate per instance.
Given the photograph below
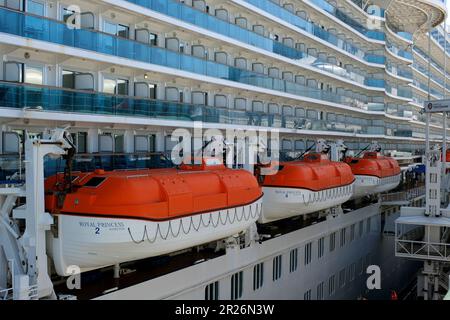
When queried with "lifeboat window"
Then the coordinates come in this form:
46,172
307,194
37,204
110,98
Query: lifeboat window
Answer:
212,291
354,161
94,182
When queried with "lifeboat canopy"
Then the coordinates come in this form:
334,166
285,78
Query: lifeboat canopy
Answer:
315,172
374,164
154,194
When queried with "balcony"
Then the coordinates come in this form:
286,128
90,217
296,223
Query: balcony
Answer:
39,28
12,168
309,27
109,161
399,52
204,20
44,98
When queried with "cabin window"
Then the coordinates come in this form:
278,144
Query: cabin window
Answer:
367,260
11,142
276,272
352,272
212,291
34,74
368,224
343,235
308,248
115,86
331,285
68,79
286,145
320,288
361,265
80,141
117,29
141,143
300,112
236,285
299,145
307,295
258,276
118,143
342,278
361,228
293,260
332,241
145,90
352,232
321,247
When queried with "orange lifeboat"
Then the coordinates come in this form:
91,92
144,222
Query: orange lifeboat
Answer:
111,217
305,186
374,173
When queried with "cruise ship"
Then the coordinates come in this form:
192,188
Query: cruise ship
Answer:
129,167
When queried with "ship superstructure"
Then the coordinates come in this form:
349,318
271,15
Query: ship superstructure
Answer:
124,77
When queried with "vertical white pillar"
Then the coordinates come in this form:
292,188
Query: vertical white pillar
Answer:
92,140
159,141
128,141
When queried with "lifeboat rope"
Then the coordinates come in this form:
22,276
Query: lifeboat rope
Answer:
252,214
328,194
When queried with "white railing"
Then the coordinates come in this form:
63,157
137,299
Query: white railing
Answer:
403,195
422,249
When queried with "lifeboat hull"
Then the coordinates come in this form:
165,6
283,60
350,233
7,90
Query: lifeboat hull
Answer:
367,185
281,203
94,242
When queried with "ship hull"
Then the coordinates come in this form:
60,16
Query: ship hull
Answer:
92,242
367,185
280,203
